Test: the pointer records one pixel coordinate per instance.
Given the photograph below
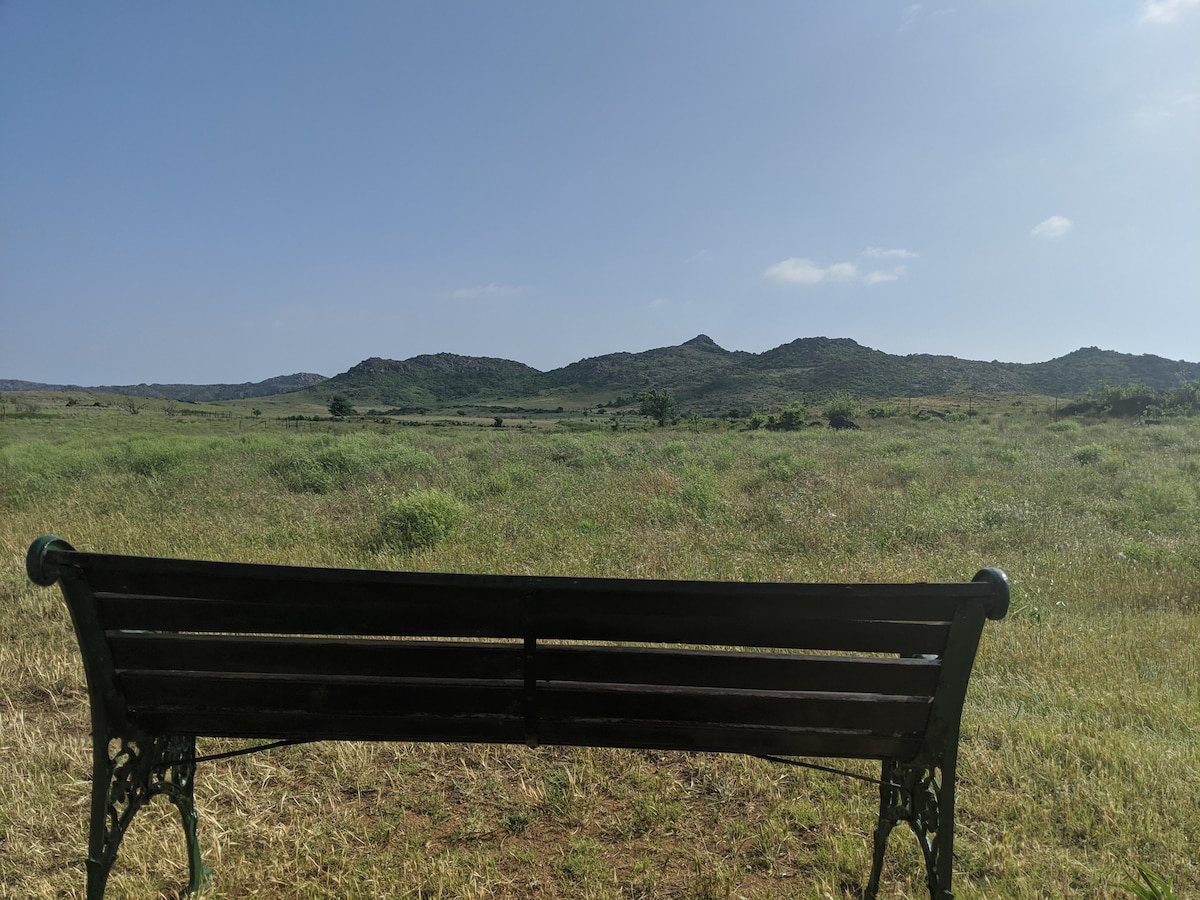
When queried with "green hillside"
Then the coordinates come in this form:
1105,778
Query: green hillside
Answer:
710,380
705,378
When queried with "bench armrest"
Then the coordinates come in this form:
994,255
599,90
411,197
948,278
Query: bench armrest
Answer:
35,560
996,606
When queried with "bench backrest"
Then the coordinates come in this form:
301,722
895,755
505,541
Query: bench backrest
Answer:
254,651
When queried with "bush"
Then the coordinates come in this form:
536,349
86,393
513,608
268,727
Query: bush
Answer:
841,404
419,519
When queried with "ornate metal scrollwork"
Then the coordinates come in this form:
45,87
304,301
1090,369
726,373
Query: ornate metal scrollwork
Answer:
128,773
912,794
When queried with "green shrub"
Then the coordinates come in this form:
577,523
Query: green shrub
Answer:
841,404
326,463
699,492
1088,454
150,457
419,519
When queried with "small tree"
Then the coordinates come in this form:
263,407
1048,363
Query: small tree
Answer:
841,404
658,405
340,406
792,417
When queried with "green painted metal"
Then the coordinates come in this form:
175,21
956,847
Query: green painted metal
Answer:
129,767
35,560
923,798
127,774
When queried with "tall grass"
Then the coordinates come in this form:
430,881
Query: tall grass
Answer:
1080,755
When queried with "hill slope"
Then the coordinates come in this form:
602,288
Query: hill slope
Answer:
706,378
195,393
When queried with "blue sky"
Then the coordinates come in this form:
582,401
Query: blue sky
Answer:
227,191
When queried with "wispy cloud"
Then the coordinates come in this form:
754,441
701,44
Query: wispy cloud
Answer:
1165,111
1052,228
880,277
489,291
881,253
802,271
1163,12
909,17
916,11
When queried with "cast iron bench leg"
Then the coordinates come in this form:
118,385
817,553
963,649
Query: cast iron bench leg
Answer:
914,794
126,775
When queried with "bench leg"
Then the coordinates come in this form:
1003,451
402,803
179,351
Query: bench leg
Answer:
126,775
916,795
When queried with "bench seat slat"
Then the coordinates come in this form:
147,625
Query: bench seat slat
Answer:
318,695
798,741
738,669
557,702
874,712
316,656
499,729
294,725
837,631
645,665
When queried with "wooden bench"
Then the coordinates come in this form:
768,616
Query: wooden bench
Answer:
175,649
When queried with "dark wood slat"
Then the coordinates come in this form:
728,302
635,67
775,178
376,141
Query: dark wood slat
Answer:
636,665
456,620
836,634
714,706
292,584
478,616
301,726
511,729
778,741
316,656
316,695
241,597
767,671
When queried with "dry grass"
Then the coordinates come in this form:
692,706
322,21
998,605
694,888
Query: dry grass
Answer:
1081,748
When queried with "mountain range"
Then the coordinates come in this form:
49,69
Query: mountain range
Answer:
704,377
191,393
707,379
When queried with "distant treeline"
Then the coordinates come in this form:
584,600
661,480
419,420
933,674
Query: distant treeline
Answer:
1138,401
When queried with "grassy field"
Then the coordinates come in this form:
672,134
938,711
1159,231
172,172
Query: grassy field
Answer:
1080,753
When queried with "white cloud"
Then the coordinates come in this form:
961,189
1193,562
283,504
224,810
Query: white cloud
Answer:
879,277
842,272
1051,228
488,291
802,271
795,271
881,253
1163,12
